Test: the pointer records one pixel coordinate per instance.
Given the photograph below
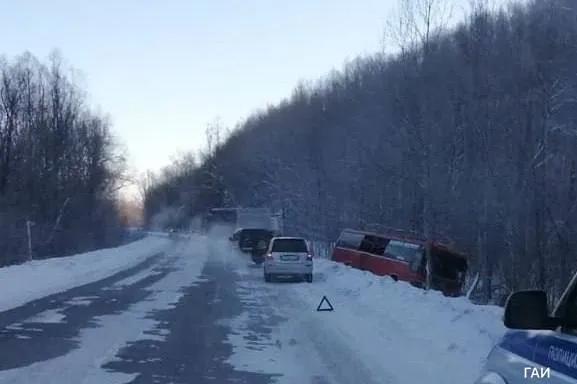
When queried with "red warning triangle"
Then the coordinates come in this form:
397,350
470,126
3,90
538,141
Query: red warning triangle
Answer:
328,307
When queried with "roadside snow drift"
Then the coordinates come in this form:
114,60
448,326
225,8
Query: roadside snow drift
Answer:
101,344
20,284
380,331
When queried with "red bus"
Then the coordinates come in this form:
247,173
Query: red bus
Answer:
403,256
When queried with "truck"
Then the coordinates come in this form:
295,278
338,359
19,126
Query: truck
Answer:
261,218
243,218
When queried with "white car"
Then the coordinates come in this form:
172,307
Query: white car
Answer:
288,256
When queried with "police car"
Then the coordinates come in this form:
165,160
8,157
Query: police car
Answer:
539,347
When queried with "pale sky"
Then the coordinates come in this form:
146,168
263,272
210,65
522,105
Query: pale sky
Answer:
165,69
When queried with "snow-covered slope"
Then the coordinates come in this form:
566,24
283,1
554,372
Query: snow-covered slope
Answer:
380,331
20,284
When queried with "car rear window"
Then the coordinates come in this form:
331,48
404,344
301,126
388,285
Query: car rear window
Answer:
289,245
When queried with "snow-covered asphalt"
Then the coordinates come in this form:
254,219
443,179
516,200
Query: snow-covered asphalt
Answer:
200,312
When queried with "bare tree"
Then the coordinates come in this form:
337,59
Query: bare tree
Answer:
466,132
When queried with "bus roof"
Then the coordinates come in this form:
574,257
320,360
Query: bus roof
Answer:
410,237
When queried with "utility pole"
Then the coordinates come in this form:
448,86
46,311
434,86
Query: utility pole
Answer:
28,230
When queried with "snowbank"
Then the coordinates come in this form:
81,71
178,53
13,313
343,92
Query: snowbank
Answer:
20,284
100,345
422,334
380,330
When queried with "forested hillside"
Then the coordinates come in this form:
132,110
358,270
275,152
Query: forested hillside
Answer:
58,164
470,133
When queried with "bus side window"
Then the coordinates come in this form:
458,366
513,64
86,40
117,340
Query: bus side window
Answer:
374,245
417,263
380,244
411,253
366,245
349,240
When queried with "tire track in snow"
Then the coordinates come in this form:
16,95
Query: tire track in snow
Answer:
301,347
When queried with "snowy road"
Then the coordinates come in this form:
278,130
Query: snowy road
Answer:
200,312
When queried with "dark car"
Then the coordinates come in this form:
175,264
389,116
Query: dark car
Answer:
249,238
235,235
